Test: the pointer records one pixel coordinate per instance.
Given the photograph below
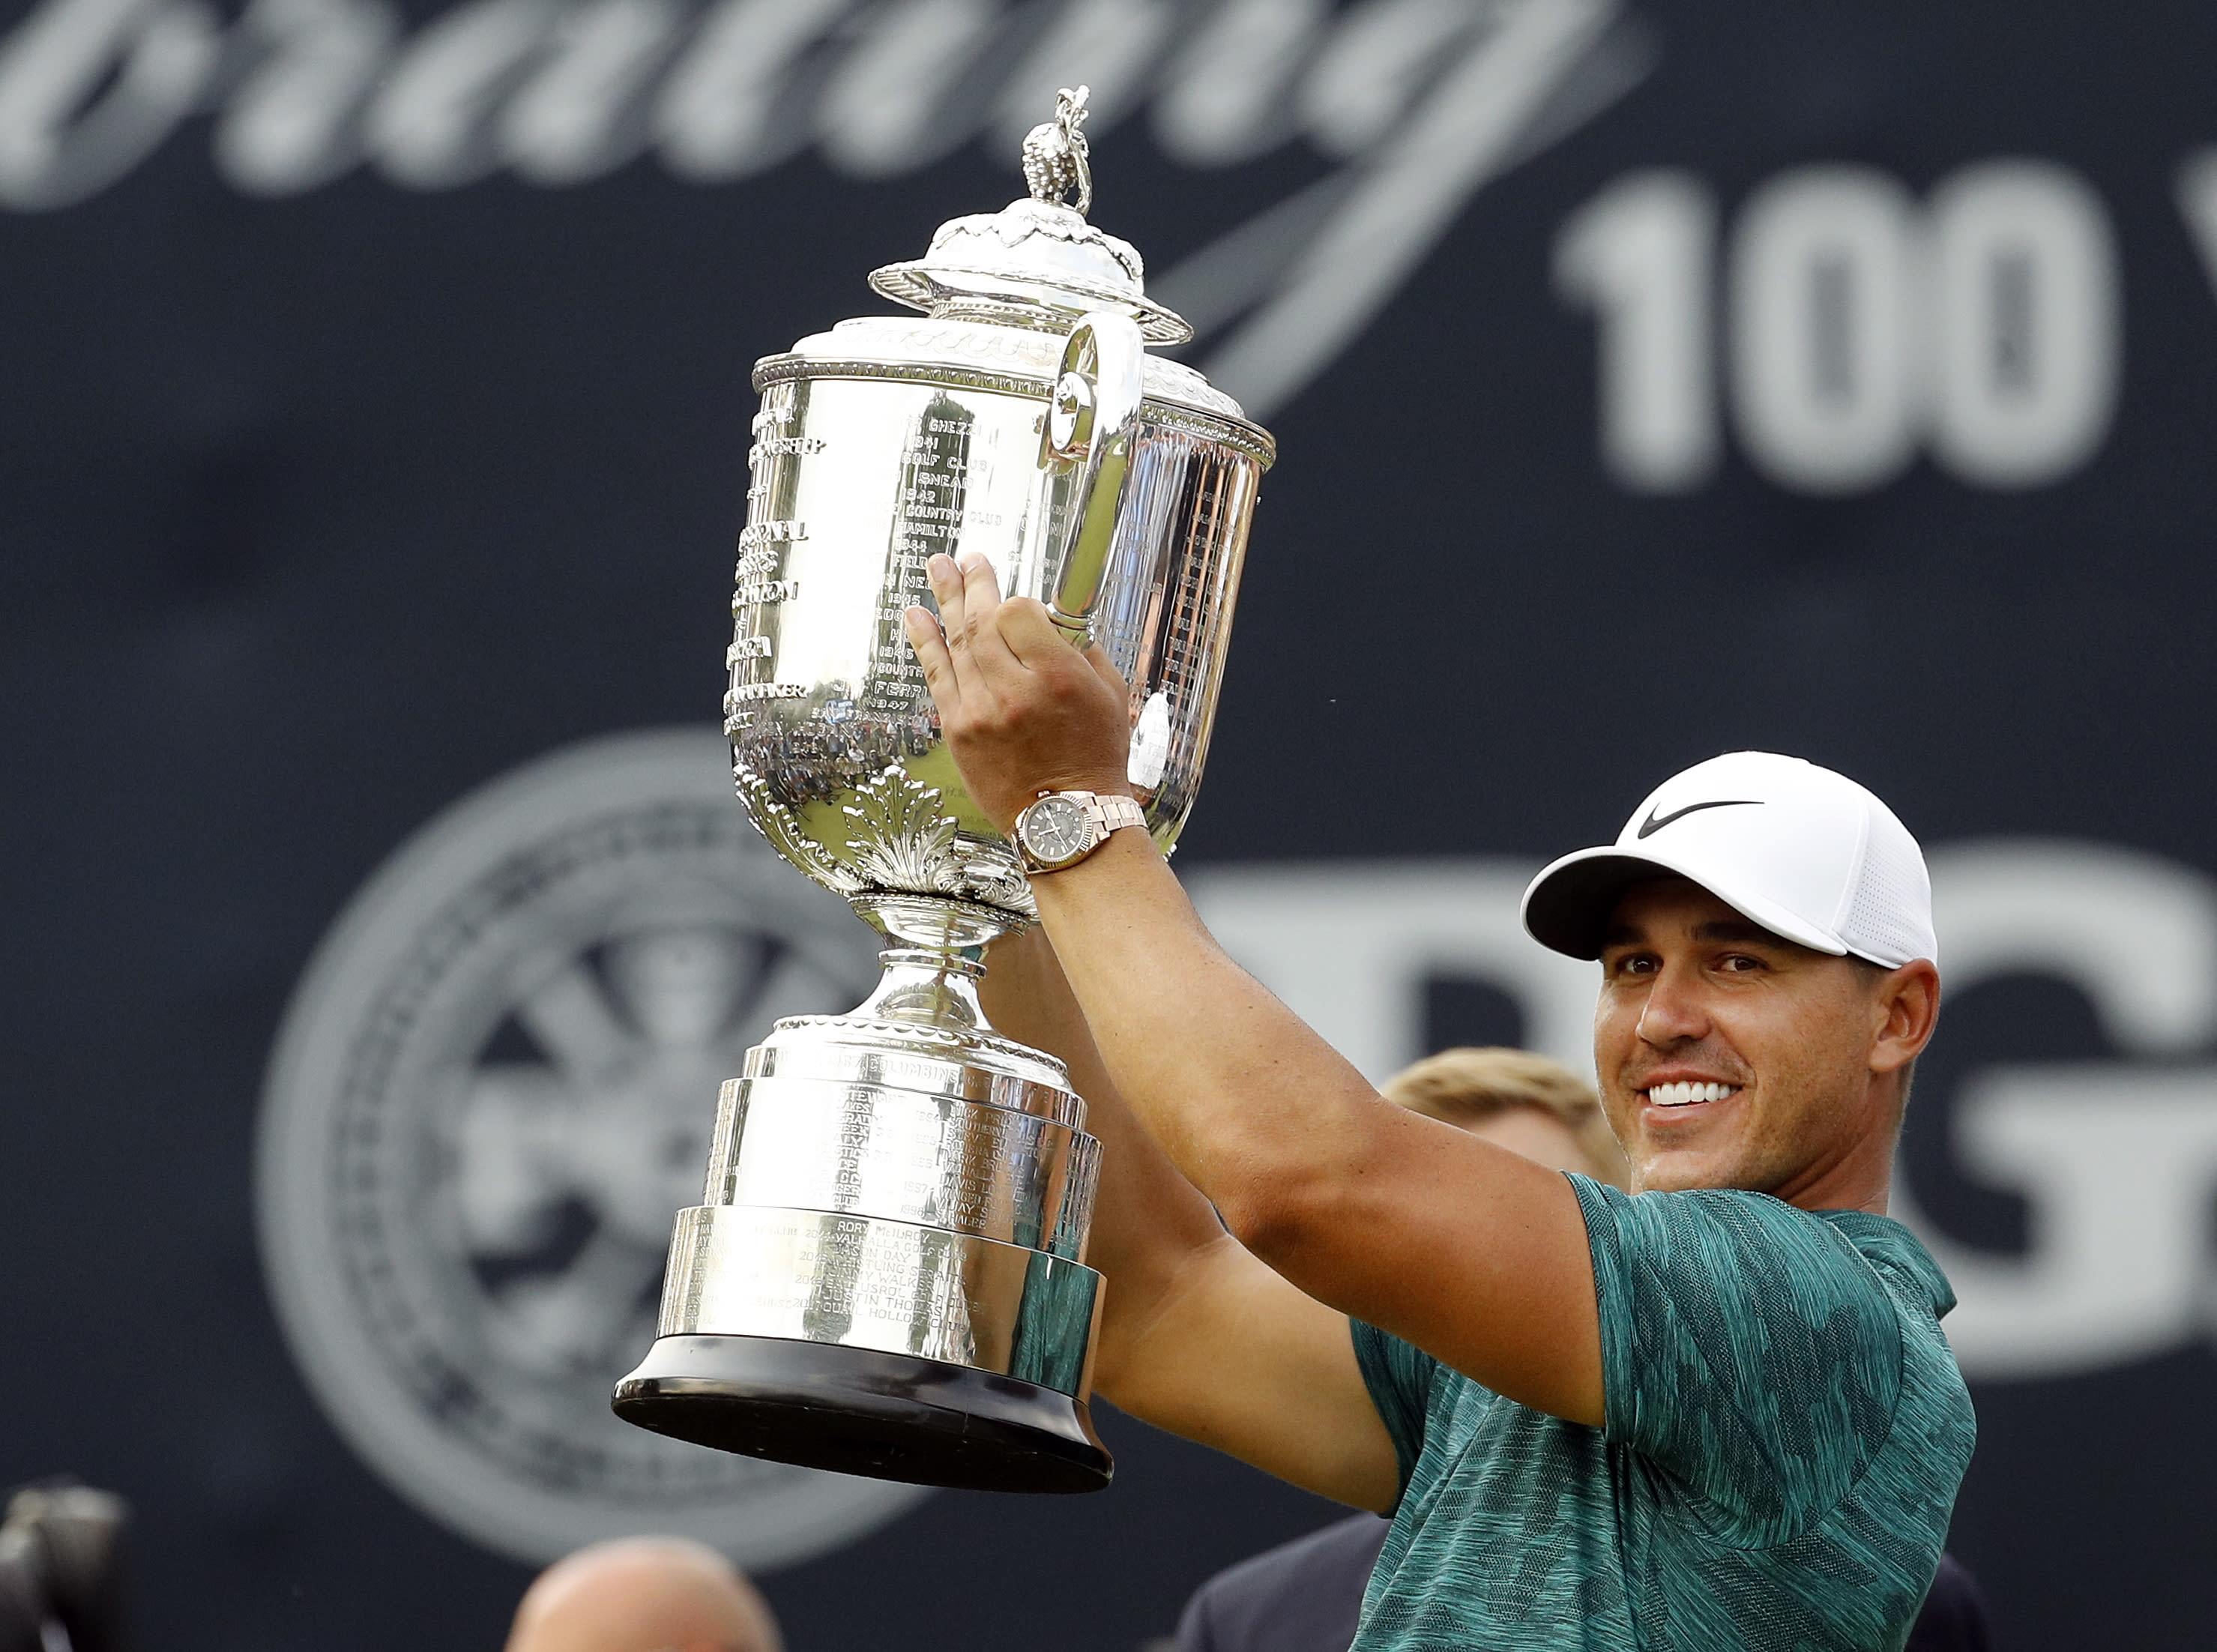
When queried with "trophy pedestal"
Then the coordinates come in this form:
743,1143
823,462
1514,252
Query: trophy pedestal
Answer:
885,1274
859,1411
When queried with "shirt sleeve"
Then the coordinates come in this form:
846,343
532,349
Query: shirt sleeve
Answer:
1750,1354
1399,1378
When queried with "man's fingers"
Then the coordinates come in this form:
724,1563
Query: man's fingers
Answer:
947,591
1040,646
1097,656
954,622
977,645
923,636
981,587
1033,636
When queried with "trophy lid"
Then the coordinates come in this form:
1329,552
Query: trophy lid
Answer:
1036,262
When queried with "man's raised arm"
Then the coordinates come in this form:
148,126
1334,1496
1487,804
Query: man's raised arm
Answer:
1470,1252
1196,1335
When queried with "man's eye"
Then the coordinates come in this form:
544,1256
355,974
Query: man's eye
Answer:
1740,963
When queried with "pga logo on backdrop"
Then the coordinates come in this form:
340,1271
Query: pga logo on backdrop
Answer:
490,1094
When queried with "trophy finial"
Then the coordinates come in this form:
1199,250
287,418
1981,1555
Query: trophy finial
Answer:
1036,263
1055,153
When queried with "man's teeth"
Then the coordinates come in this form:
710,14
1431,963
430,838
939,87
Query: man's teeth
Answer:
1683,1095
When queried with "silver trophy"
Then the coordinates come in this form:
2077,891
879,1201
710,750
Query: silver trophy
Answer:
887,1273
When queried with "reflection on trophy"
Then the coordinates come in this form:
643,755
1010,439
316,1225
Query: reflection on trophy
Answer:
886,1275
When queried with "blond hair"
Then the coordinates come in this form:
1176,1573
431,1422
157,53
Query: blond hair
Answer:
1465,1086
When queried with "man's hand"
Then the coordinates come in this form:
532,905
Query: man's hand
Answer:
1023,710
1471,1254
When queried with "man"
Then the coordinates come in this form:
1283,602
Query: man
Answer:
1719,1415
643,1594
1306,1595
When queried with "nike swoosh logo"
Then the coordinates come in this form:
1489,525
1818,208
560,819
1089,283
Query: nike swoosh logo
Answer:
1655,822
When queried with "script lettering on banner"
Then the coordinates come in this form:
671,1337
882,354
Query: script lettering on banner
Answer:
1416,104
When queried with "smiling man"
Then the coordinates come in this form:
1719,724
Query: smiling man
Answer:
1716,1413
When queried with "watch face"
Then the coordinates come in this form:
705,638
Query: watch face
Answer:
1055,829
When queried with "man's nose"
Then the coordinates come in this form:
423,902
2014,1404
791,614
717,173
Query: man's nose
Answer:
1673,1012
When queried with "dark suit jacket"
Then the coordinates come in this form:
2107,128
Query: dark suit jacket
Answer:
1304,1596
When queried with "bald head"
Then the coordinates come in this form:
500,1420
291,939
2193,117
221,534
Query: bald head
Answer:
643,1594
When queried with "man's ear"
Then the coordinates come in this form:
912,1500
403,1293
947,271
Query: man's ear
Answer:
1909,1004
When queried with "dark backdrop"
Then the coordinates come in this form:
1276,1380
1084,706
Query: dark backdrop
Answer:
327,495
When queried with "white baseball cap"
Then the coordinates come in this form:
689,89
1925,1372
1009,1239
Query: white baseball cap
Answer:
1807,853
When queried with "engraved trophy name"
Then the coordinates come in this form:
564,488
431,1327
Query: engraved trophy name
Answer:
886,1275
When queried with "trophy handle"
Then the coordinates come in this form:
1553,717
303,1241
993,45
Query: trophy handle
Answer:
1091,417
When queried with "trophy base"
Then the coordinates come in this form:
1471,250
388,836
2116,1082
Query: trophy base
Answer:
859,1411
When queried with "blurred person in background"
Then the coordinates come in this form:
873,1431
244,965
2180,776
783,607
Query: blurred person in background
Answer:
1305,1596
60,1588
1517,1100
643,1594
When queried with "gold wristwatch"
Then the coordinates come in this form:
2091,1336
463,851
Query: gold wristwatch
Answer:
1062,828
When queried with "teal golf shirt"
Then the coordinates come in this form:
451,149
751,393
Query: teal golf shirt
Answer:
1786,1430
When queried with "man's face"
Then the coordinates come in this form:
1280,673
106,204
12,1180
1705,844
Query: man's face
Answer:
1729,1056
